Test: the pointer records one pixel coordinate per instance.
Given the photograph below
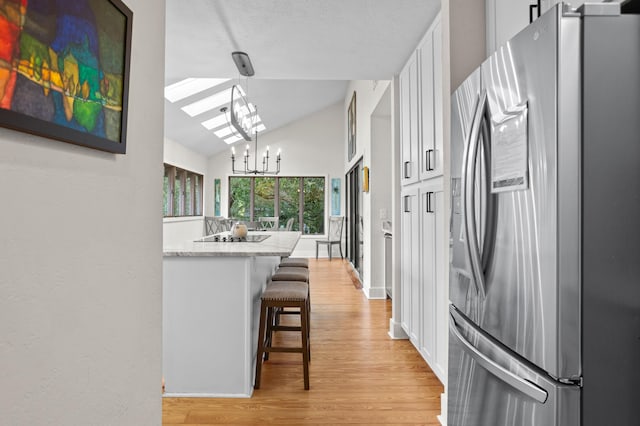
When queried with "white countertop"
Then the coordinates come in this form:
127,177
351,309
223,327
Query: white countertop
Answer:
279,243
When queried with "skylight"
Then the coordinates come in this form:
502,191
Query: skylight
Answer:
189,87
259,128
208,103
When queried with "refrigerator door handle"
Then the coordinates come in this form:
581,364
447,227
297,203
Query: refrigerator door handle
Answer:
513,380
468,196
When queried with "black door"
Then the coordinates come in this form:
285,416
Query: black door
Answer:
353,180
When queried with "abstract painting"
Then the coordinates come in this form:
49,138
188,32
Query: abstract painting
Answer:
351,128
64,70
335,196
217,196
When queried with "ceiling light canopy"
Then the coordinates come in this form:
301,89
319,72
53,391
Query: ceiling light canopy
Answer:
243,63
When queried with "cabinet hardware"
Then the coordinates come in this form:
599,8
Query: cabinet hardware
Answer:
406,169
429,202
428,162
406,204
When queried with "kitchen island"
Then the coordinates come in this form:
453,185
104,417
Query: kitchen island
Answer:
210,312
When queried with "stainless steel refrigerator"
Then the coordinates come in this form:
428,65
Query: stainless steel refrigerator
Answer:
545,227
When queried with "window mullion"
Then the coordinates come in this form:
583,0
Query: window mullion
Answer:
172,190
276,197
252,199
301,204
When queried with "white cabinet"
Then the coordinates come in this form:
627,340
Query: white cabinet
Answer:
437,97
424,294
430,71
421,110
409,121
506,18
410,264
434,297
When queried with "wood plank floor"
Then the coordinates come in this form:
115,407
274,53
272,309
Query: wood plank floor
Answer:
358,375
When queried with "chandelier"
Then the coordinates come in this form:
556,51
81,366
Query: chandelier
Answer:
241,119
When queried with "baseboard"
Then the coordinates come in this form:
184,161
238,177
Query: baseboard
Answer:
396,331
204,395
375,293
442,418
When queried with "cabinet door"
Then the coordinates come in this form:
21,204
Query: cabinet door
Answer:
506,18
441,287
438,124
408,80
409,255
427,101
429,252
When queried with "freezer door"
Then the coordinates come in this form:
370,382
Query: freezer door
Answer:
515,269
464,102
490,385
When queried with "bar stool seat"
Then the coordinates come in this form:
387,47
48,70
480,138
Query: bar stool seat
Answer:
296,262
283,294
287,273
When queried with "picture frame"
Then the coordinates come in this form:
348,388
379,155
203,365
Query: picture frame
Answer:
351,128
217,189
66,70
335,196
365,179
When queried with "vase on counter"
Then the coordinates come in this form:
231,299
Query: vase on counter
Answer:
239,230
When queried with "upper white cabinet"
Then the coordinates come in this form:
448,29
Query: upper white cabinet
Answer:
421,110
427,104
430,54
409,121
506,18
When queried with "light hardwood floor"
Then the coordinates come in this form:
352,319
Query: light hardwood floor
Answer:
358,375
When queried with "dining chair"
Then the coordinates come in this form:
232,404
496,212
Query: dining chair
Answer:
269,223
289,225
334,235
216,224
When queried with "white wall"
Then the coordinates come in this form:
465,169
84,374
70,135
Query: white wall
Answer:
175,230
380,191
368,97
80,263
467,38
311,146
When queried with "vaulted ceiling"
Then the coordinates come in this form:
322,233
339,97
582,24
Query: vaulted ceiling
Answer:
304,52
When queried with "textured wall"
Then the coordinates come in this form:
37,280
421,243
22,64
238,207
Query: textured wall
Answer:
80,263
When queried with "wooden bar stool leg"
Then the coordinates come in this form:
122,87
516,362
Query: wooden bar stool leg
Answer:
269,330
304,326
261,341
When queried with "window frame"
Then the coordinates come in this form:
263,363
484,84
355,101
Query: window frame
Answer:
178,207
301,198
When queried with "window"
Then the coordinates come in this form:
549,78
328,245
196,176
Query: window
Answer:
300,198
182,192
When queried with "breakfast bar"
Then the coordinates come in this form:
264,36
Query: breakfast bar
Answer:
210,311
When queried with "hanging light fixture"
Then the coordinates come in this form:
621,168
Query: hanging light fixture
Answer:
241,117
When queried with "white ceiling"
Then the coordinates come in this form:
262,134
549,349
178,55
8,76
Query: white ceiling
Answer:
304,52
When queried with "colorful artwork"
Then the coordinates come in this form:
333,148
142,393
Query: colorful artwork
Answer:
335,196
64,68
351,128
217,195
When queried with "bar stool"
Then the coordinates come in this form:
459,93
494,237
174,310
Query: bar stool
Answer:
286,273
283,294
291,273
296,262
